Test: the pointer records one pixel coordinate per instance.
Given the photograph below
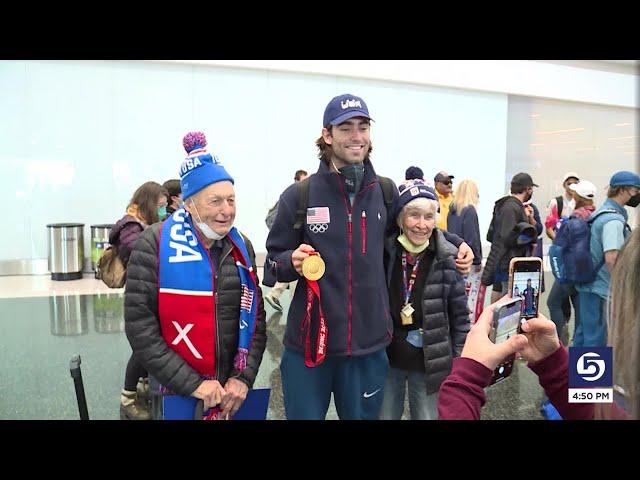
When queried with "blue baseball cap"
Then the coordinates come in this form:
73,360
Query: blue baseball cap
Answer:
625,179
344,107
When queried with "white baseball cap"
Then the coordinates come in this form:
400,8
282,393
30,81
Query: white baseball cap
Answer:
569,175
585,189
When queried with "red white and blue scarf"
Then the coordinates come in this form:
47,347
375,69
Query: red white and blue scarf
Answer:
186,300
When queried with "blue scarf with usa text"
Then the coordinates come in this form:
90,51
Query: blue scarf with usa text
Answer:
186,299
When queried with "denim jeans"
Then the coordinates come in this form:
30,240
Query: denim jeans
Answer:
421,405
557,296
592,329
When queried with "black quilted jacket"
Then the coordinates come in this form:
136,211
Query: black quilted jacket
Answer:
143,327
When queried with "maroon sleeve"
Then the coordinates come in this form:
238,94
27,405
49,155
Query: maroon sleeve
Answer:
461,395
553,374
128,236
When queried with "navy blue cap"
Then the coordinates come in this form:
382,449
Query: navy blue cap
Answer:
412,189
625,179
344,107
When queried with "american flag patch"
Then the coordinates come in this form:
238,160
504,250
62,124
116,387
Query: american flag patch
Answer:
246,299
317,215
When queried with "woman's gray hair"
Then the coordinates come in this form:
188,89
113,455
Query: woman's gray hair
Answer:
420,203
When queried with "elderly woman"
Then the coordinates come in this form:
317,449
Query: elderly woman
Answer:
428,307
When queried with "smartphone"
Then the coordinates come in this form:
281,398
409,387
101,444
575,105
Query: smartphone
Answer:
506,323
525,277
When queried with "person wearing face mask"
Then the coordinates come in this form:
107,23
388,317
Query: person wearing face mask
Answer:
147,206
194,313
512,233
608,233
428,305
338,326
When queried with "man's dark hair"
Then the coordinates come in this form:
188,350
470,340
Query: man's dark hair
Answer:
299,174
173,188
414,173
516,189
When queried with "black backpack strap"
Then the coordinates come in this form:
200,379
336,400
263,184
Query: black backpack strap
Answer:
387,191
303,202
560,203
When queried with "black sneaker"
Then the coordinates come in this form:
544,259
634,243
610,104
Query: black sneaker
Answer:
274,302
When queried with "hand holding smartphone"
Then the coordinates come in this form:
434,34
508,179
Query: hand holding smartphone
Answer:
525,276
506,323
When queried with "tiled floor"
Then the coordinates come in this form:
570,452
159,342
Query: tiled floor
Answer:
44,323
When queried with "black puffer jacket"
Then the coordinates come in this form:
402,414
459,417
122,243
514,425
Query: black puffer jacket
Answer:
143,327
444,310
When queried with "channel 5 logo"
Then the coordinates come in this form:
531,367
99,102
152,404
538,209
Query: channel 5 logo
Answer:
590,367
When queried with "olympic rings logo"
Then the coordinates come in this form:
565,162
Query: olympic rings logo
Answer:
318,227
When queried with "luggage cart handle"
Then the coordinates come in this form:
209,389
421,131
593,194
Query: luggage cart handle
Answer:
76,374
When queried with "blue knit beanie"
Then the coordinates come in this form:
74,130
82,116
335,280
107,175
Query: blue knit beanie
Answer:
200,169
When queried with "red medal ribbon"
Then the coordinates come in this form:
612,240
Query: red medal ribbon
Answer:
313,291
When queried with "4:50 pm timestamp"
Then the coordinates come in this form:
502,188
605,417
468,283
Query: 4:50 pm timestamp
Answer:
591,395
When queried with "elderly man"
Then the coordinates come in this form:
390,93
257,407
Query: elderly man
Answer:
193,310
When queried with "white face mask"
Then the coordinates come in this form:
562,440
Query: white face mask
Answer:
206,230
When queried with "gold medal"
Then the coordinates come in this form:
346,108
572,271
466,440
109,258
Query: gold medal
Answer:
313,267
405,314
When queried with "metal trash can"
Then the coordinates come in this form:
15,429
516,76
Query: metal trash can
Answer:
66,250
99,243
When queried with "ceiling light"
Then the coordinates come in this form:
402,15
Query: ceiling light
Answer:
622,138
551,132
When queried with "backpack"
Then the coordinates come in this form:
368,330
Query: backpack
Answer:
271,216
111,269
570,254
303,200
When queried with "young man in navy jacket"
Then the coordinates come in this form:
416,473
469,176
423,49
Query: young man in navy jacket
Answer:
341,347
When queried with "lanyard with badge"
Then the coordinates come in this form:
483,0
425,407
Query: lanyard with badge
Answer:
407,309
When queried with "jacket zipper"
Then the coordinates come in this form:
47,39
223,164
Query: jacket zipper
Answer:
349,288
222,258
363,231
350,256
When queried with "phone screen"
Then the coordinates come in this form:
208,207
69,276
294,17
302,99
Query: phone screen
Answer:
505,324
526,284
